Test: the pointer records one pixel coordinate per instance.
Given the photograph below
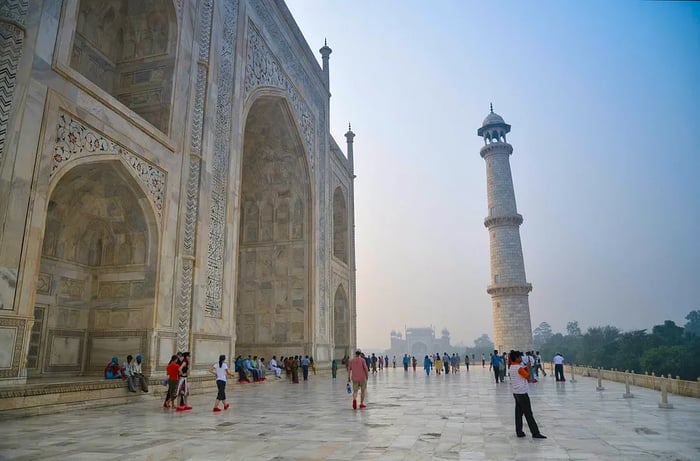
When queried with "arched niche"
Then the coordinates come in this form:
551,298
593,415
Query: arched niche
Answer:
341,323
340,225
273,307
99,256
127,48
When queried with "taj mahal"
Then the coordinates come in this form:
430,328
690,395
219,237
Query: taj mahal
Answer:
168,182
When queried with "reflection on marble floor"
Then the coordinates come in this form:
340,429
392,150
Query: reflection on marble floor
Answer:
412,417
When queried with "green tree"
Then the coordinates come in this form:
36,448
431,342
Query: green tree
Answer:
572,328
541,334
693,325
670,333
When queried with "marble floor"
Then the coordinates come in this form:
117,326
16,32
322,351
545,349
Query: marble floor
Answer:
409,416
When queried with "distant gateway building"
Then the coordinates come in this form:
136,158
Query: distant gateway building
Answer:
168,182
419,342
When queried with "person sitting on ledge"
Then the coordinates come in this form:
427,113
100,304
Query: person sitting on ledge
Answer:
274,367
138,373
113,370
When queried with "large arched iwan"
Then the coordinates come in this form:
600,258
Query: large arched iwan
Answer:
273,308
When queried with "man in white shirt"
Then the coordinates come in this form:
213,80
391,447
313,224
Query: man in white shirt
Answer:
519,376
559,367
274,367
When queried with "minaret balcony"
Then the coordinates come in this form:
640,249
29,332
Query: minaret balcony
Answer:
495,221
496,148
501,289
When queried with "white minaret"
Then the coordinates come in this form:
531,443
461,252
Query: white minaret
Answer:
508,288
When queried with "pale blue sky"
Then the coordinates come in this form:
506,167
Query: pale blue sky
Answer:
604,103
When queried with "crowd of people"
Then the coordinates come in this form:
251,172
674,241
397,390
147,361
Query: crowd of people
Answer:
521,368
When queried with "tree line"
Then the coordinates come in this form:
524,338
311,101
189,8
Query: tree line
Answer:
667,349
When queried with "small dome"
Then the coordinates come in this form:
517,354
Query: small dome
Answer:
493,119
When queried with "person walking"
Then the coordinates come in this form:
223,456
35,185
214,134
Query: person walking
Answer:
305,362
358,373
519,377
312,364
221,371
427,364
406,362
334,368
414,362
183,388
466,361
483,360
559,367
495,365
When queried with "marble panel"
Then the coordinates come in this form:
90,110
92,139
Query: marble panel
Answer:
166,348
65,351
102,349
7,345
207,350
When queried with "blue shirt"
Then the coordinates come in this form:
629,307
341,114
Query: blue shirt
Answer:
495,361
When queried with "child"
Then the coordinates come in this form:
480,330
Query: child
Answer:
519,377
220,370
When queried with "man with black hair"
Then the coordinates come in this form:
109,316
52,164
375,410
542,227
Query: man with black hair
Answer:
519,377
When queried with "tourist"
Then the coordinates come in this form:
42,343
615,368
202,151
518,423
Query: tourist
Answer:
394,361
483,360
427,364
374,363
183,388
495,365
275,368
414,362
305,362
530,365
446,362
221,371
129,373
294,365
386,361
559,367
334,368
138,374
173,371
466,361
406,361
504,366
312,364
358,373
519,377
381,362
438,364
538,365
113,370
261,368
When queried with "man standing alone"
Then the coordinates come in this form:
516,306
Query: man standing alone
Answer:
358,374
519,377
559,367
496,364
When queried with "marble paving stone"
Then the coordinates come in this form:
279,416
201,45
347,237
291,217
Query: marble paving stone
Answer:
410,417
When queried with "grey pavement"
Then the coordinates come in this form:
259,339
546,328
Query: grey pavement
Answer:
409,417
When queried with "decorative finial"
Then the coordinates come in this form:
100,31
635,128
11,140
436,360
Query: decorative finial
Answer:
349,127
491,104
325,42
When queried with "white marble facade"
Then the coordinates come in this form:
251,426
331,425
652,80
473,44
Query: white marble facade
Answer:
168,182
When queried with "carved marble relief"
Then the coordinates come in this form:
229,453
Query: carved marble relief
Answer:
220,164
11,40
75,139
263,69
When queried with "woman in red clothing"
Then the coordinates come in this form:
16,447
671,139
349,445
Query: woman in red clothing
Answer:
173,371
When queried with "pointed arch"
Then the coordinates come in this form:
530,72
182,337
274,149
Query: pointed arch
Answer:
340,225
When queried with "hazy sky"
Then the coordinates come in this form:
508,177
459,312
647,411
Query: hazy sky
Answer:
604,103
